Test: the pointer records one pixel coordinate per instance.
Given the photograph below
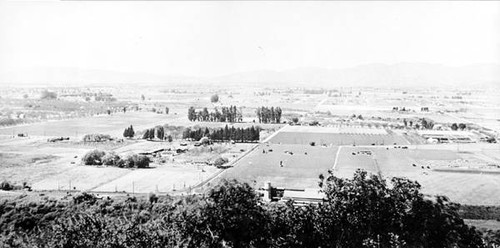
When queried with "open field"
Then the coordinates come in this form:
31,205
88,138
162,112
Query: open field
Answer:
57,166
484,224
466,173
299,170
107,124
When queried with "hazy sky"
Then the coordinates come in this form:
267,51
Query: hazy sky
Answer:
214,38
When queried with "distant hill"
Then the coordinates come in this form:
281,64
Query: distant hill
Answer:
379,75
376,75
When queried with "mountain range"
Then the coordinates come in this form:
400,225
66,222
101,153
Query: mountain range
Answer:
375,75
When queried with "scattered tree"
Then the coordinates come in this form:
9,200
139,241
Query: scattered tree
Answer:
214,98
48,95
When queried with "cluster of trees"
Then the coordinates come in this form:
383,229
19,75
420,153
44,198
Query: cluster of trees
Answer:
129,132
421,123
269,115
99,157
460,126
96,137
48,95
359,212
226,114
249,134
5,185
157,132
426,123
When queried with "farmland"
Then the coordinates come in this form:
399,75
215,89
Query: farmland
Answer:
468,174
339,129
290,166
57,166
336,136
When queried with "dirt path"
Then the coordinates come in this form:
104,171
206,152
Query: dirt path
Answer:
221,172
337,158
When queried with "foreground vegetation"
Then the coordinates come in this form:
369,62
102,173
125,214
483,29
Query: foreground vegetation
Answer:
365,211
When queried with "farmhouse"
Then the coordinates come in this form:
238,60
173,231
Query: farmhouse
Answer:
448,136
298,196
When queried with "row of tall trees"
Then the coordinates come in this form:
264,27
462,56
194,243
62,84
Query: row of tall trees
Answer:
157,132
364,211
129,132
250,134
226,114
269,115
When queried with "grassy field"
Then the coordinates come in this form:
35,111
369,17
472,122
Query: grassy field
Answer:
57,166
164,178
299,170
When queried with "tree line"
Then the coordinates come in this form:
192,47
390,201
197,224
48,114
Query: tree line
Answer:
157,132
269,115
226,114
360,212
249,134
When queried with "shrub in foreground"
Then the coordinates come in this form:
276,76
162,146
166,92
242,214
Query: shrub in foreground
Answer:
365,211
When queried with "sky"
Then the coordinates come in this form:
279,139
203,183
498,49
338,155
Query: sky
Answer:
214,38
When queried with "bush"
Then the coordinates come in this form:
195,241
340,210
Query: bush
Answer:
111,159
94,157
137,161
214,98
98,157
141,162
84,197
220,161
48,95
6,186
96,137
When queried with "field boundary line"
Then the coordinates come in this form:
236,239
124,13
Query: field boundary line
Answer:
109,181
274,134
217,174
336,158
